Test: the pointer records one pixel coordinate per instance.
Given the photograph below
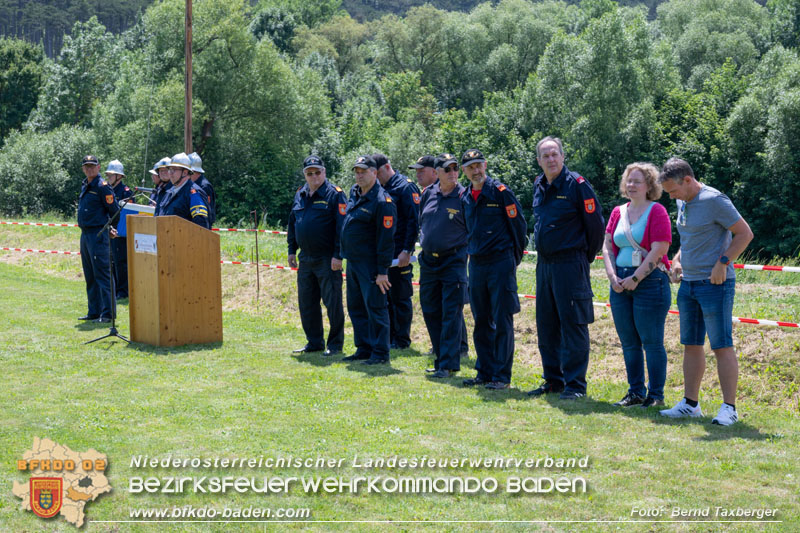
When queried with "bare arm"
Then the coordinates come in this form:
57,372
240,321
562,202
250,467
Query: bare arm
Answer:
742,235
609,260
650,263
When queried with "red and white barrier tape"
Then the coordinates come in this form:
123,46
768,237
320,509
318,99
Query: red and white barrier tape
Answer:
39,251
38,224
771,268
273,232
755,321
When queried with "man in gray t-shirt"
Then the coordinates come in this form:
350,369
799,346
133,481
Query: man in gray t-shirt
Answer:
712,235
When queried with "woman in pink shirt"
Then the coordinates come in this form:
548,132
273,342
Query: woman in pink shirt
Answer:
637,238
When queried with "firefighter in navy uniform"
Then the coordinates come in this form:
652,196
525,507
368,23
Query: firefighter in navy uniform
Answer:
568,232
199,178
315,224
162,183
427,175
183,199
367,242
443,265
96,205
119,245
406,197
497,239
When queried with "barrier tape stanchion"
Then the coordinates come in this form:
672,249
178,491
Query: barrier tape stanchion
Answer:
742,320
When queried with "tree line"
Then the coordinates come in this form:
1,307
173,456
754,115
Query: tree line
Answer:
716,82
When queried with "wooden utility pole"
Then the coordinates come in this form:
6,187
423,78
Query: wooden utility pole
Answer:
187,122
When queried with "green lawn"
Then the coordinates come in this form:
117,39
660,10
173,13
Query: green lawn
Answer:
248,397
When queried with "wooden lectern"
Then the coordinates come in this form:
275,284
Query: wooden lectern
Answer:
175,282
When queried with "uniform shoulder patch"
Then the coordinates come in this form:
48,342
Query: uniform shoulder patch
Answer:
342,209
415,196
109,198
580,179
589,205
511,210
501,187
388,221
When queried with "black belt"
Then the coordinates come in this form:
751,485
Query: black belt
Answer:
446,253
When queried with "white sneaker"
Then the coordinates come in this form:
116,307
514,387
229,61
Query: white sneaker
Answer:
726,416
683,409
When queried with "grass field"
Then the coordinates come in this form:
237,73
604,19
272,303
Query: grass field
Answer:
249,397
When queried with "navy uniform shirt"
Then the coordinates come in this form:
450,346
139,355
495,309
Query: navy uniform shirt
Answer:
568,217
158,194
186,202
406,197
442,223
495,222
96,204
315,222
368,227
210,197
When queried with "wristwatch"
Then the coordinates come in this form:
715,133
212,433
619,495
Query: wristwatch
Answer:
724,260
635,279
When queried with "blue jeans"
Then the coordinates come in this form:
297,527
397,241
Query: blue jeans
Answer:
639,317
703,307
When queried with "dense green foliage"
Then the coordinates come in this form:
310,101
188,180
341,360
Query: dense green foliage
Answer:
46,22
714,81
20,81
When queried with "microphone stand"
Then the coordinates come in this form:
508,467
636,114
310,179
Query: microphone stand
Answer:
113,331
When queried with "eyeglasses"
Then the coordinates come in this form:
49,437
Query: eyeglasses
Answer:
452,168
682,214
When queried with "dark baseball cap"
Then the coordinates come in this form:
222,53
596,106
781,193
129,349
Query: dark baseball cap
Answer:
313,161
445,160
472,156
424,161
90,160
380,159
365,161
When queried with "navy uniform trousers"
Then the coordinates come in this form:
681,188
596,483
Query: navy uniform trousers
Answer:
494,301
316,280
401,310
368,310
442,294
563,314
95,261
119,250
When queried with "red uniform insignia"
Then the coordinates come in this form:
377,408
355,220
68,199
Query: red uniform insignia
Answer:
109,198
501,187
45,494
589,205
580,179
511,210
342,209
416,197
388,222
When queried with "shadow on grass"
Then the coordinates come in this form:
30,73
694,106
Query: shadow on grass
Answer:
317,359
588,405
374,371
170,350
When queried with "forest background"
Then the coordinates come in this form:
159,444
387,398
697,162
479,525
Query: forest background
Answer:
716,82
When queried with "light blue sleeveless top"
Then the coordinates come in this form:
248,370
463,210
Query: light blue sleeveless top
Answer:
624,257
